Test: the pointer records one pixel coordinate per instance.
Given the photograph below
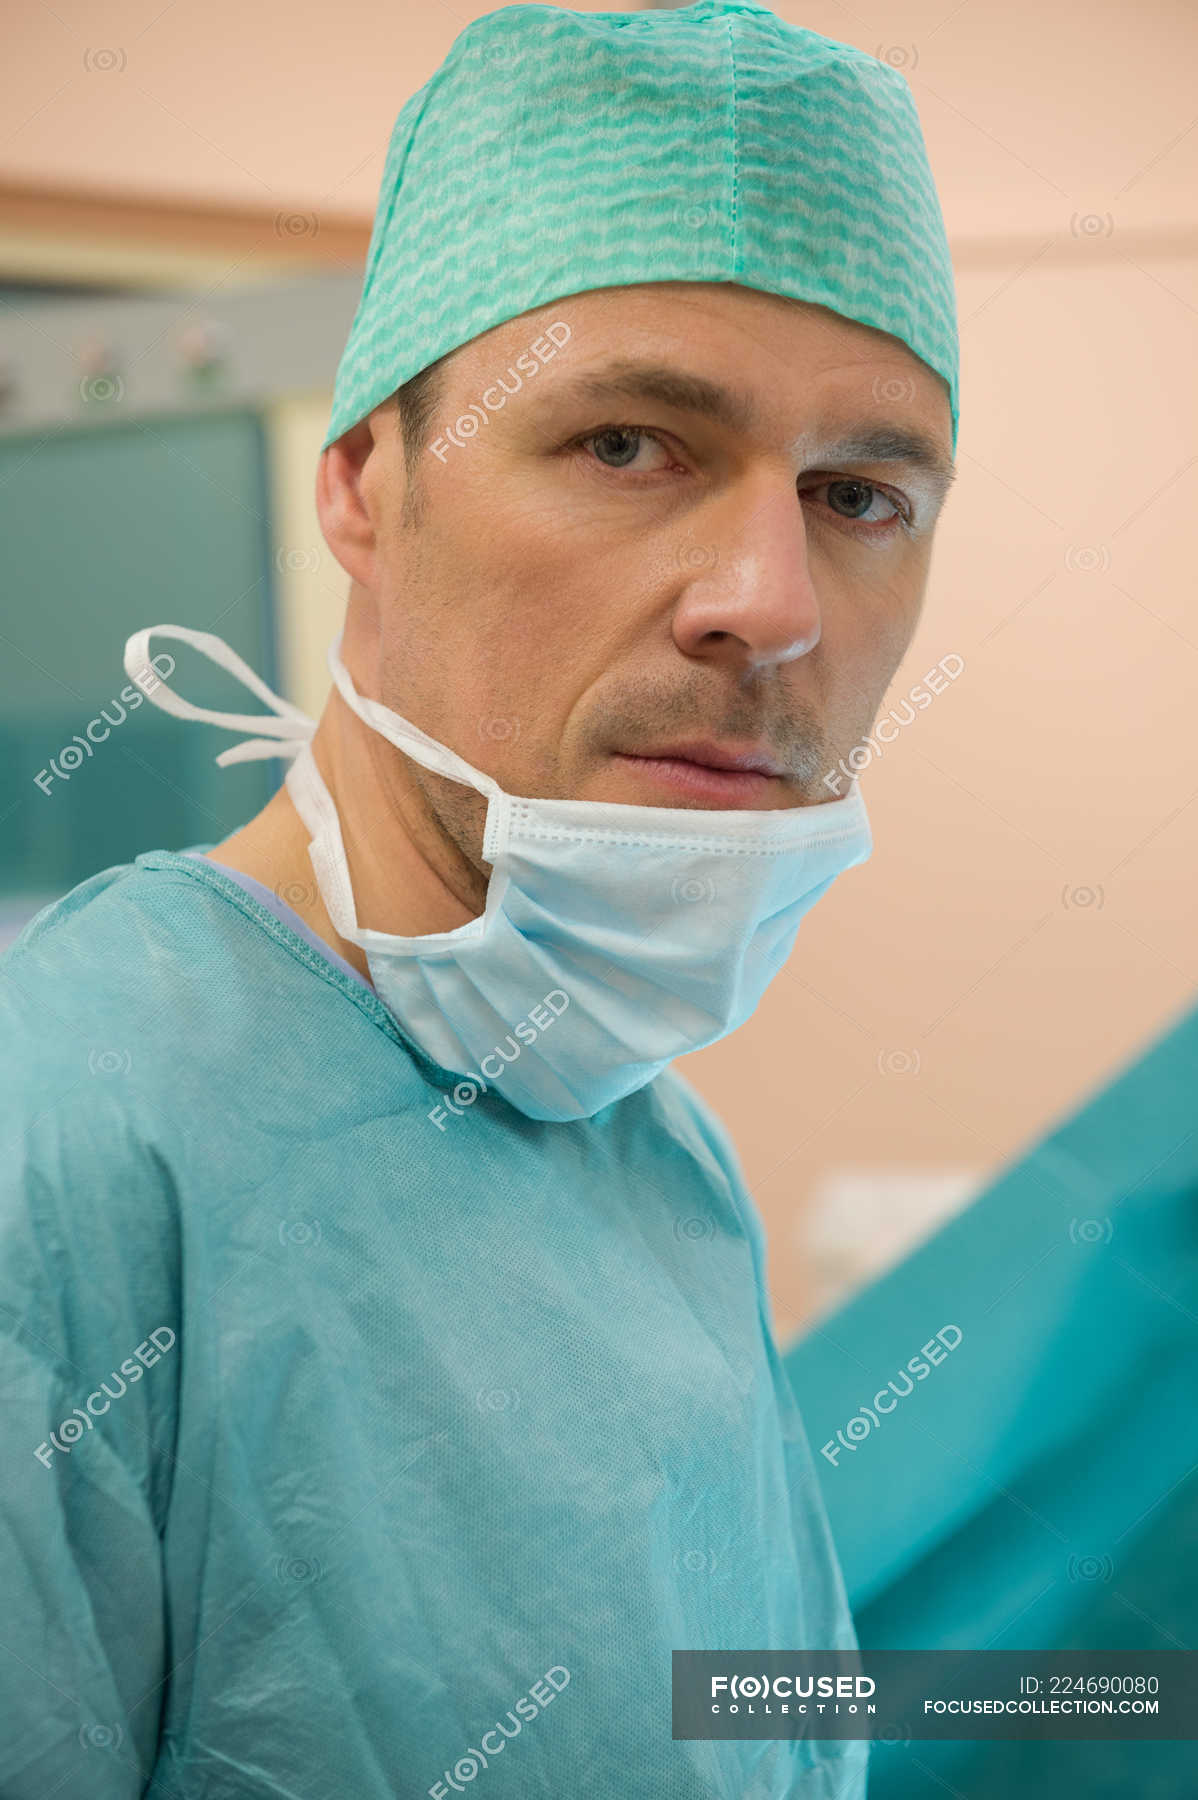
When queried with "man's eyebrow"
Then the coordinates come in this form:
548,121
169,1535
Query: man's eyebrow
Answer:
726,406
891,444
673,387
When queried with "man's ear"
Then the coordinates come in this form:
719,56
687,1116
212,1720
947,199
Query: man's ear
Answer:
346,497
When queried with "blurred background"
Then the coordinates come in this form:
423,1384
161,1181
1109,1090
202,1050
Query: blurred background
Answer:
186,195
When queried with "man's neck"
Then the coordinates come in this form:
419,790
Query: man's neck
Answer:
398,887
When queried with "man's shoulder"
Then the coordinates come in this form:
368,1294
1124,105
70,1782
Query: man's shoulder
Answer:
101,972
703,1135
122,1007
80,990
165,956
158,1010
695,1123
134,913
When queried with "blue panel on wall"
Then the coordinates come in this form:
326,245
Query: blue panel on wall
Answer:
107,530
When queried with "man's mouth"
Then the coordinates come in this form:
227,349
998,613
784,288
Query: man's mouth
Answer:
722,774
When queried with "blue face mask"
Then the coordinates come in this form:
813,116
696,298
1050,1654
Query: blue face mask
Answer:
614,939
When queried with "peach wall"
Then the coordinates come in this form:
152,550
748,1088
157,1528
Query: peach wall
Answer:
1032,113
1026,923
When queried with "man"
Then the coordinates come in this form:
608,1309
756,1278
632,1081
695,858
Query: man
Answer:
389,1366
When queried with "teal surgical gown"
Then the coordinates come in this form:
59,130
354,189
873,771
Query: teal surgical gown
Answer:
353,1454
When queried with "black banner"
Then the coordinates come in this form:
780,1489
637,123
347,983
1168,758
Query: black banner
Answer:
899,1696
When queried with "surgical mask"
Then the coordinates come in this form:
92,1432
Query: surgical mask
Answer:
614,937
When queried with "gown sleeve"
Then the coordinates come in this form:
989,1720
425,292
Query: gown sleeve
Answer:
89,1360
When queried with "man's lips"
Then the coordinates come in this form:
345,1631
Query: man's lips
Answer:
750,758
736,784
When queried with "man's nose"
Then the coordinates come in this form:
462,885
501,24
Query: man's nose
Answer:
749,600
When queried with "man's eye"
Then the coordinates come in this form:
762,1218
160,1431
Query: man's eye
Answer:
854,499
618,447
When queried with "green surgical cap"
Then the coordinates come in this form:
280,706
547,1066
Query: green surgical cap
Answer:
554,152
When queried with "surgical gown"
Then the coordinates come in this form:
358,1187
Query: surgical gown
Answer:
354,1453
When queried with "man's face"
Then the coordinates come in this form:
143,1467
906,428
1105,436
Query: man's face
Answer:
605,569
